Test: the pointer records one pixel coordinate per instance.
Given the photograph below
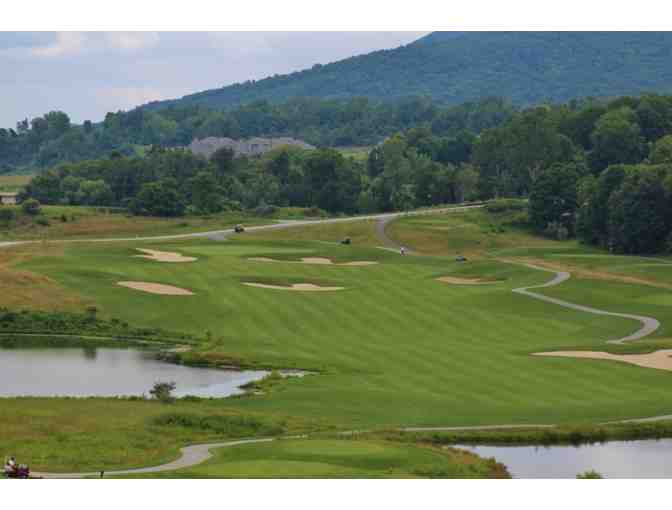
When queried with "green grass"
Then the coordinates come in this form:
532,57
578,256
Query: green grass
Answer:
74,434
344,458
12,183
79,222
396,348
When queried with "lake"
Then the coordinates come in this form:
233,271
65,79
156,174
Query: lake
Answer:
615,459
108,372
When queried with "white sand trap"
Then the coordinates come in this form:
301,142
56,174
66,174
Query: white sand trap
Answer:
164,256
301,287
662,360
157,288
465,281
318,261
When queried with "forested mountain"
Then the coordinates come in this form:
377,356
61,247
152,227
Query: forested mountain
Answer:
454,67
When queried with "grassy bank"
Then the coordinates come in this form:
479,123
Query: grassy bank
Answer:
343,458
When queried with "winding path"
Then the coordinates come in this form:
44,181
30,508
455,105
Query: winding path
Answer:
649,324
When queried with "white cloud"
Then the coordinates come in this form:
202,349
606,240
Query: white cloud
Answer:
66,43
131,41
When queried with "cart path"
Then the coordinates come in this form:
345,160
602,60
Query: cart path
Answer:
224,233
649,324
190,456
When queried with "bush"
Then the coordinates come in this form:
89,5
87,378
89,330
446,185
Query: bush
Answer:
589,475
506,205
7,215
232,425
42,221
31,207
163,392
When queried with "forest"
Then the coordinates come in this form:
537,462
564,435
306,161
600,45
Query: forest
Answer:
596,169
53,139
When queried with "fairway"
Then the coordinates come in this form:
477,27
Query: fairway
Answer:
395,347
409,341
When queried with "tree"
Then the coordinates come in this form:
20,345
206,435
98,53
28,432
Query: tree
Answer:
205,194
223,160
333,183
160,198
163,392
553,197
638,212
616,139
31,207
661,152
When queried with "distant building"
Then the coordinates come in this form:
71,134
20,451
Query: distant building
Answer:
8,198
250,147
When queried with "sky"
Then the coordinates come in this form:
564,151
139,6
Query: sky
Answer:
87,74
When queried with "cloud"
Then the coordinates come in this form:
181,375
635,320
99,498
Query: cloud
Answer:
66,43
87,74
131,41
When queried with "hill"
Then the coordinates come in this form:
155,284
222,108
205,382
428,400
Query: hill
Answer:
454,67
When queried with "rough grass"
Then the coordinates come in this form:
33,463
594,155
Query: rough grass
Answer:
65,222
93,434
23,289
473,233
343,458
362,233
14,182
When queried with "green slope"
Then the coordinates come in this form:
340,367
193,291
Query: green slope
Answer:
527,67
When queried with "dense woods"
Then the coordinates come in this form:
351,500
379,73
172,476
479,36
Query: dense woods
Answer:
53,139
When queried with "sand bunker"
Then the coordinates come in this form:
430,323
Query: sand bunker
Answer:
317,260
465,281
164,256
157,288
662,360
302,287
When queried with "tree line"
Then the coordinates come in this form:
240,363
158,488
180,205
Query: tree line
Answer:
595,169
53,139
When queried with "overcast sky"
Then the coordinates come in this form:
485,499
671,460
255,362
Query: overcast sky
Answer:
87,74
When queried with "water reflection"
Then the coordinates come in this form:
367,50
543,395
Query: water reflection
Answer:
105,372
615,459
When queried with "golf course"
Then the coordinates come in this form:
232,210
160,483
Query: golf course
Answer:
388,343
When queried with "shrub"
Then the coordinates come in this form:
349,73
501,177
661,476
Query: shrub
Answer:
506,205
64,218
7,215
235,425
31,207
589,475
44,222
163,392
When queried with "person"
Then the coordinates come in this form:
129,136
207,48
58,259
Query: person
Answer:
402,250
10,465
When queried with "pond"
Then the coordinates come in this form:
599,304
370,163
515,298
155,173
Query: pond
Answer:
615,459
108,372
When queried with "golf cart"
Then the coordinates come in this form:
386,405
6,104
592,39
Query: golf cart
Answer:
347,240
460,258
14,470
239,229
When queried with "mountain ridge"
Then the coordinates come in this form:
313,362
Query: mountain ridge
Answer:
454,67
